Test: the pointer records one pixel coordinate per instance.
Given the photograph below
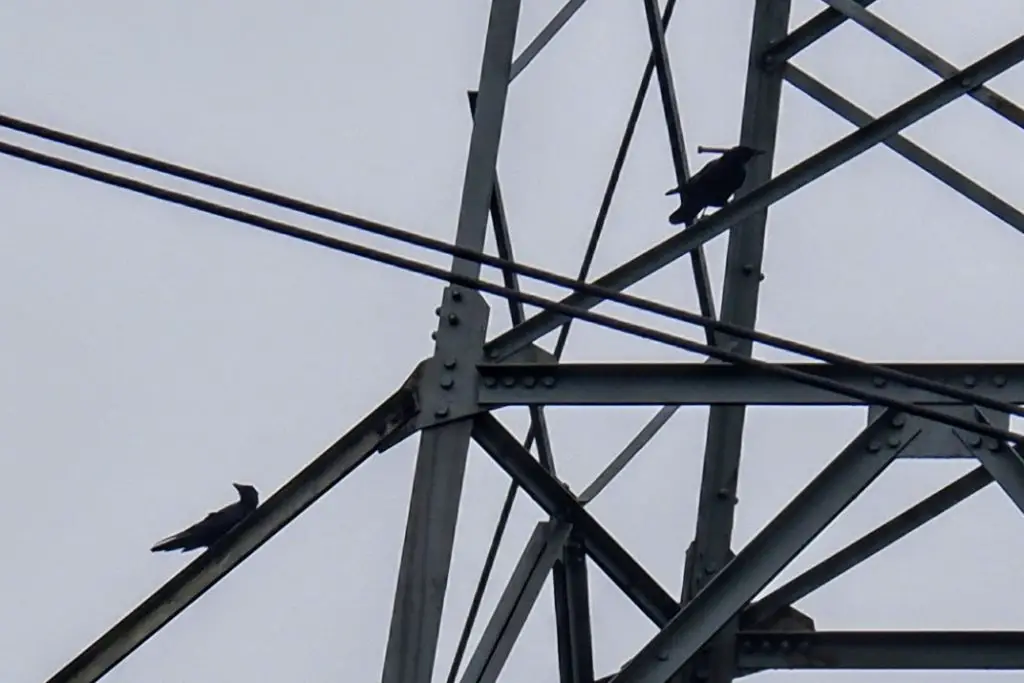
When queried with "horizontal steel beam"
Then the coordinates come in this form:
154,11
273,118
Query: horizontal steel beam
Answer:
712,383
923,650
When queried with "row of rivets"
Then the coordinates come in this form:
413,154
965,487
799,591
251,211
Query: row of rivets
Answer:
969,381
529,382
782,645
446,380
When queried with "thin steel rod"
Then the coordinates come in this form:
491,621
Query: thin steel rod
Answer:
808,33
560,308
926,58
544,37
916,155
870,544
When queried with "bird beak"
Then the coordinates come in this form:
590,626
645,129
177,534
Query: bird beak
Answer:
238,487
673,191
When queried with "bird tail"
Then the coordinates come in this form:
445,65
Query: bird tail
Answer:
686,213
170,543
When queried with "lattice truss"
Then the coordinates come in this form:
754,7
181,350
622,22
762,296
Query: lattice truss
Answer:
716,631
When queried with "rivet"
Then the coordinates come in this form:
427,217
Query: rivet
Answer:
529,381
453,319
999,380
433,335
449,363
995,445
766,645
490,382
802,646
748,645
899,419
975,440
970,380
748,269
784,646
874,446
447,382
878,381
456,294
508,381
894,441
760,277
492,354
437,311
966,82
548,381
723,493
441,411
661,656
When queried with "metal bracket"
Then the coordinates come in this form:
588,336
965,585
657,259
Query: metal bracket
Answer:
941,441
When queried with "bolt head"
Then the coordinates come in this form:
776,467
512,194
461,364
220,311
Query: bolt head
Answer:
453,319
456,294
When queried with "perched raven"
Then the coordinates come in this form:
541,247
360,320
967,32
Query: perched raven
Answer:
205,533
712,185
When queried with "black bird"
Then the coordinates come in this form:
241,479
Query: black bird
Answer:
206,532
712,185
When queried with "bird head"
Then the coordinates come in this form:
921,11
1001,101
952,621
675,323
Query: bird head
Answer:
248,494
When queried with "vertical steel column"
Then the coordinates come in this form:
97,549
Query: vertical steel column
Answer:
441,461
711,547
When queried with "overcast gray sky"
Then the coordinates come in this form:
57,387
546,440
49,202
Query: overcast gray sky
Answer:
153,355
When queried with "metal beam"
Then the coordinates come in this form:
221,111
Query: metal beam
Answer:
867,546
698,384
926,58
441,461
711,548
555,498
807,34
757,200
274,514
916,155
922,650
1002,460
544,37
516,602
781,540
572,615
677,147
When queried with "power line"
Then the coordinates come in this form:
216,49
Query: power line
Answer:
338,244
532,299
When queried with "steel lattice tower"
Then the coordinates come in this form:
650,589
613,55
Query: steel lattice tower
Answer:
719,629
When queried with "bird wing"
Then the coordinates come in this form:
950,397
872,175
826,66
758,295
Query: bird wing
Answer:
221,519
705,170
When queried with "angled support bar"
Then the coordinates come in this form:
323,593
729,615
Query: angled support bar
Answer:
282,507
925,57
781,186
554,498
443,451
922,650
768,553
698,384
866,546
1000,459
544,37
941,171
812,30
516,602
